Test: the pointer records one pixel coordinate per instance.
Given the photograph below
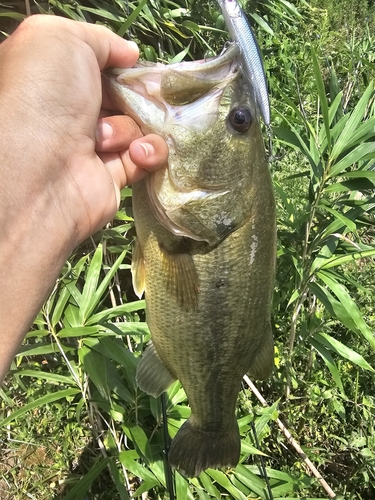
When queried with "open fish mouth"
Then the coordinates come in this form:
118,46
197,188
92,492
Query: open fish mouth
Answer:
180,83
154,94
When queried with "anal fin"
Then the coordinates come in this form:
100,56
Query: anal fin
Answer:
152,375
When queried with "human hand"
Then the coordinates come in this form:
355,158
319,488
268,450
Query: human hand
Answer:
58,184
51,98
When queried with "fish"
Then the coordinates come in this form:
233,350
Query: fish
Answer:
241,32
205,246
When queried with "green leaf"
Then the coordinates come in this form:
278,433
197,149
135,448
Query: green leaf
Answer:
292,138
341,217
247,449
107,314
364,132
96,367
41,349
145,486
49,377
223,480
118,480
253,482
262,23
329,361
181,487
322,96
180,56
91,283
344,259
78,492
208,485
367,174
44,400
349,305
78,331
103,286
140,440
361,152
356,116
342,350
127,460
130,20
130,328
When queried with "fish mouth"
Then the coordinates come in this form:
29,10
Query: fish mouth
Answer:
179,83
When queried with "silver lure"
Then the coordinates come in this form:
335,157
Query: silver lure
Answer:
241,32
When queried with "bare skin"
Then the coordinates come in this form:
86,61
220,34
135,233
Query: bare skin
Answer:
61,166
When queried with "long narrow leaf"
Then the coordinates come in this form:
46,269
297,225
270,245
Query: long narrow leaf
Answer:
223,480
96,367
78,492
349,305
323,97
133,16
44,400
329,361
355,118
342,350
361,152
91,283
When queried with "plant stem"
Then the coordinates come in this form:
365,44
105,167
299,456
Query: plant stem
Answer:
293,442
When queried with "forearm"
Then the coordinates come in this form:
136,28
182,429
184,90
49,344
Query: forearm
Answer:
32,253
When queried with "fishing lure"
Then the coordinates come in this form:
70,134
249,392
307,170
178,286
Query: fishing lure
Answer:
241,32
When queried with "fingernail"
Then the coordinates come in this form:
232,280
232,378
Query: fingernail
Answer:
103,131
148,148
135,46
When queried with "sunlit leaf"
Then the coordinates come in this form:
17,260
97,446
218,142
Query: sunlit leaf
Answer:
342,350
350,306
223,480
344,141
323,97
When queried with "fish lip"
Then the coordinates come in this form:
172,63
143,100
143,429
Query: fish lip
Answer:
230,53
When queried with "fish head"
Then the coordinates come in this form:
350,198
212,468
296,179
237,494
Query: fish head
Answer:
206,112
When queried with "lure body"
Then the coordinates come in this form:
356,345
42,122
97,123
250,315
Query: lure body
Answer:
241,33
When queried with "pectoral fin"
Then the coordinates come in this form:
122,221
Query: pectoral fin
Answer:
181,276
152,376
138,270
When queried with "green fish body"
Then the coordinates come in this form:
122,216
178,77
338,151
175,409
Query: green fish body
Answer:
205,252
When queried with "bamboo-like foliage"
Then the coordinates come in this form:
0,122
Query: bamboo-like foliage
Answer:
78,362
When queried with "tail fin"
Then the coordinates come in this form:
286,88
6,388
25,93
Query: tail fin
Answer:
194,450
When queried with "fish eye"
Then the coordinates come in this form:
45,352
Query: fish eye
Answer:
240,119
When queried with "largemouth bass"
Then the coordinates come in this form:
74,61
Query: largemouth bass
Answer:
205,251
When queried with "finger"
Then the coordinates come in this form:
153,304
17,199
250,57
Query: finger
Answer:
109,48
133,165
150,152
116,133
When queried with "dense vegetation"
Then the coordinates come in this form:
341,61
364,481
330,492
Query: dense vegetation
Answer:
75,426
